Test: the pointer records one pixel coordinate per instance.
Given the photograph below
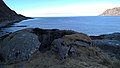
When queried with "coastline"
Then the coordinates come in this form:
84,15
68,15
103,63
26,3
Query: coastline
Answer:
10,22
37,47
49,42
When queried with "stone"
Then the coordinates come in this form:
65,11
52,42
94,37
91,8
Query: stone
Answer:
66,50
103,42
64,46
19,46
109,43
111,47
59,47
113,36
47,36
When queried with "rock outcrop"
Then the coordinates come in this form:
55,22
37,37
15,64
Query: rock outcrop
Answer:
19,46
46,37
8,16
22,44
111,12
65,45
113,36
53,48
109,43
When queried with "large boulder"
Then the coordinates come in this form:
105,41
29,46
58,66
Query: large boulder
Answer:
65,45
22,44
19,46
47,36
111,47
109,43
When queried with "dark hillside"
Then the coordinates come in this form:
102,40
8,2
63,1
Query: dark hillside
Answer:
8,16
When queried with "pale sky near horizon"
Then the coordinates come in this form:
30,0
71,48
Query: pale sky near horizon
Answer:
43,8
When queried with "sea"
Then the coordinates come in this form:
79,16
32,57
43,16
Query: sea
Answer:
91,25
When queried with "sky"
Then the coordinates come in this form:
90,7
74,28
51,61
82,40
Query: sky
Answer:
49,8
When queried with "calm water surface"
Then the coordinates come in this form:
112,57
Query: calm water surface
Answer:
91,25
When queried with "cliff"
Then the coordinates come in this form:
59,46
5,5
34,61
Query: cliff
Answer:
111,12
8,16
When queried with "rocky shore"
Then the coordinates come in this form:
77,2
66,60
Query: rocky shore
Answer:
7,23
53,48
9,16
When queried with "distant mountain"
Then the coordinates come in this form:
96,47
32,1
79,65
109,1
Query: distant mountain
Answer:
111,12
8,16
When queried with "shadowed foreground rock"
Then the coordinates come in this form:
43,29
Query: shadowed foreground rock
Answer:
65,45
109,43
46,37
57,49
111,47
19,46
22,44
